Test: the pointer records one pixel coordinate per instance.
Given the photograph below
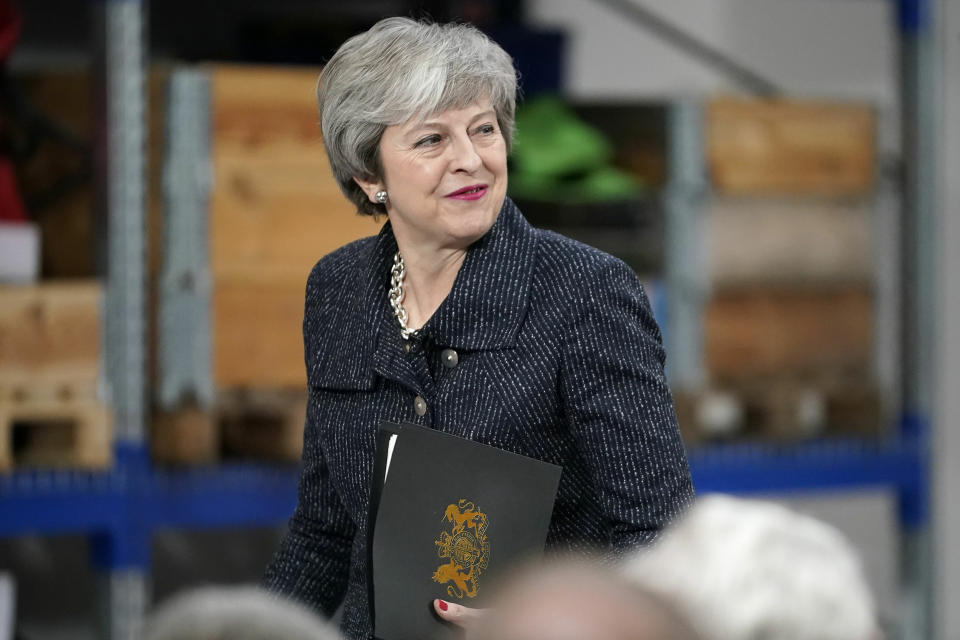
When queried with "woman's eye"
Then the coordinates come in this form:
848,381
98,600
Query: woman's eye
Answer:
485,129
427,141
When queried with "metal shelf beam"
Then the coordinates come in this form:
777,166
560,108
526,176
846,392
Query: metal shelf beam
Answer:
135,499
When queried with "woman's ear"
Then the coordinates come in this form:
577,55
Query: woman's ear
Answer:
370,187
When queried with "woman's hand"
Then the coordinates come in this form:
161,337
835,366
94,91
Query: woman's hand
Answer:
459,615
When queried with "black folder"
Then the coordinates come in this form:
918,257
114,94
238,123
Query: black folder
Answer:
447,516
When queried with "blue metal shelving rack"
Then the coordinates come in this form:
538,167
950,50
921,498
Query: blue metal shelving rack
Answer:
121,508
124,505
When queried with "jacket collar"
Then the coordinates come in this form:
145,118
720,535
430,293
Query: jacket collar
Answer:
484,310
488,302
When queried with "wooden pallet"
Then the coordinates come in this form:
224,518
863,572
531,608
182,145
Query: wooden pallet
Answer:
50,415
261,424
780,410
58,425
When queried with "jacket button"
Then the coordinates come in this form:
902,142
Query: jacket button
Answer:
449,358
419,405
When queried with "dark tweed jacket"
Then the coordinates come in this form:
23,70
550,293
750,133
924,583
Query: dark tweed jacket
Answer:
558,358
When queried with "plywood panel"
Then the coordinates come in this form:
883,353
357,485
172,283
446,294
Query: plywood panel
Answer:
790,147
275,209
257,333
50,332
789,332
274,199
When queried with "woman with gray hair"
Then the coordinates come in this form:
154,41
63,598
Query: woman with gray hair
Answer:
461,317
235,613
754,570
576,600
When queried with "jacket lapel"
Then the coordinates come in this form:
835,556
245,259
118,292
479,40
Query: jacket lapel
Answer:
484,310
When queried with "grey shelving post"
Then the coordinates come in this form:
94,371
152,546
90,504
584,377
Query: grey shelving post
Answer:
918,256
122,128
685,271
185,282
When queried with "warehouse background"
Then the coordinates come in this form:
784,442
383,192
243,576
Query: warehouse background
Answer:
846,52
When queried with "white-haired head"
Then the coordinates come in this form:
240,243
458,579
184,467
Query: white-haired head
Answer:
235,613
752,570
401,69
573,600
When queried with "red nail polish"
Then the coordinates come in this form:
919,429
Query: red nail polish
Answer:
442,605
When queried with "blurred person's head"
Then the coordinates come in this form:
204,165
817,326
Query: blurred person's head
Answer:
573,601
403,71
752,570
235,613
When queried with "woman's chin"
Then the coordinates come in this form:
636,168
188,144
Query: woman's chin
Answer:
473,225
469,231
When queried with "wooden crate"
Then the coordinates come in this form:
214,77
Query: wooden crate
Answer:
810,242
50,332
761,332
790,147
49,369
244,423
275,210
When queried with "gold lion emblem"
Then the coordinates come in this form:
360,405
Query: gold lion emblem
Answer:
466,547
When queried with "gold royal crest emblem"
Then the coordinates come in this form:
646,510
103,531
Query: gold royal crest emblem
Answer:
466,547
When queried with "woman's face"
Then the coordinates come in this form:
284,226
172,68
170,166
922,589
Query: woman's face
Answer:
445,177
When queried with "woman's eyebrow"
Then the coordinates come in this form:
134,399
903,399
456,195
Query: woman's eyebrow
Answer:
489,113
428,124
421,128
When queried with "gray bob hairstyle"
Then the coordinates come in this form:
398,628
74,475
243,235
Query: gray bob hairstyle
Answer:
235,613
398,70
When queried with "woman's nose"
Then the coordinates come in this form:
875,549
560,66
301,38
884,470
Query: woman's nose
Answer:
465,156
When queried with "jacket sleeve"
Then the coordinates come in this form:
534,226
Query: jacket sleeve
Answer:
312,564
620,409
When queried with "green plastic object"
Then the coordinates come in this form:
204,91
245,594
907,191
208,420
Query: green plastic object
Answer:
552,141
558,157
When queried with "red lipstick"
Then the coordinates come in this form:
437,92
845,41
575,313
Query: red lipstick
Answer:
473,192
